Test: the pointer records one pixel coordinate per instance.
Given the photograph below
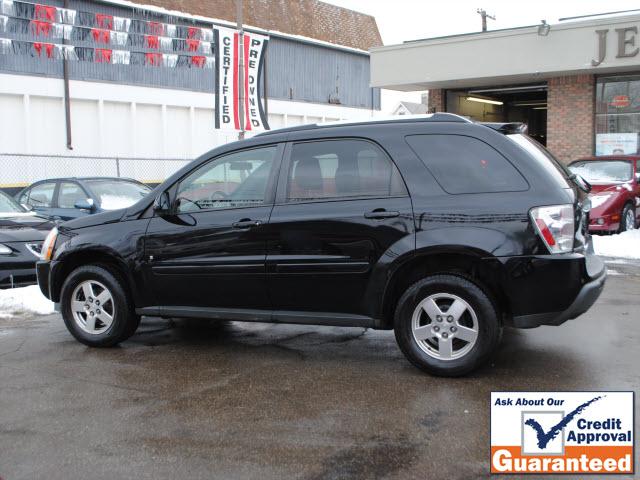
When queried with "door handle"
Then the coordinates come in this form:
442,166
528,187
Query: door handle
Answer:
246,223
381,213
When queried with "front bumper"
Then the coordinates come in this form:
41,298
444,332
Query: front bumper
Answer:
43,273
584,300
17,277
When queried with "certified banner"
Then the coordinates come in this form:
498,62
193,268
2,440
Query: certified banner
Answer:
228,108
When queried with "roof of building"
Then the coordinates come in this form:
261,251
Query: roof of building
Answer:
413,108
306,18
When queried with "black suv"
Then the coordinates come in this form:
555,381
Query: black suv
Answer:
442,229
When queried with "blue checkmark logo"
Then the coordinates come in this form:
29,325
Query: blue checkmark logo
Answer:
545,437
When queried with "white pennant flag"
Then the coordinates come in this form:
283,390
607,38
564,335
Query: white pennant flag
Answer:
62,31
169,60
67,52
121,57
6,7
209,62
119,38
166,43
66,15
206,34
121,24
5,46
170,30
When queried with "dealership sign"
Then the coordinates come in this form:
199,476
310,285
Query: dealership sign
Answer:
626,44
562,432
230,113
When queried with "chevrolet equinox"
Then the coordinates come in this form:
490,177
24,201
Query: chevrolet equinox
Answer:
440,228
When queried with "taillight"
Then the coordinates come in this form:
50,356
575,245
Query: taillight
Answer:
556,226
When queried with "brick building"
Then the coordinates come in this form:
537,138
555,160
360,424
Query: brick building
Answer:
575,83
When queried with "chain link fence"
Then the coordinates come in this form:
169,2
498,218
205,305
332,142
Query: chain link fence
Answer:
18,170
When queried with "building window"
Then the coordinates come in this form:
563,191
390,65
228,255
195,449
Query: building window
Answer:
618,115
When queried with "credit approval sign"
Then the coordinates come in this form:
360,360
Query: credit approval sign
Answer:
562,432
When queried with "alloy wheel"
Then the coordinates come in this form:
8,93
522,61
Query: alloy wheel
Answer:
444,326
92,307
629,220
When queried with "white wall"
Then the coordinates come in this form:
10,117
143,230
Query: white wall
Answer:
112,120
504,56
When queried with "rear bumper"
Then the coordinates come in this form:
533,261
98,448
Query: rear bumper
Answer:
587,295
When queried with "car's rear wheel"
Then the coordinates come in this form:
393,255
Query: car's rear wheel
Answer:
627,219
446,325
96,308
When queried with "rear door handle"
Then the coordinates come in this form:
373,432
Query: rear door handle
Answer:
381,213
246,223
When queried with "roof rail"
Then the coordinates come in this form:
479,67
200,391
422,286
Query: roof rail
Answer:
432,117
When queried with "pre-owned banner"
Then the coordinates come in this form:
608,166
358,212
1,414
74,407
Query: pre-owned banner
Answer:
227,64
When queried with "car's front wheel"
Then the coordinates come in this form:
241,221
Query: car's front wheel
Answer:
96,308
446,325
628,219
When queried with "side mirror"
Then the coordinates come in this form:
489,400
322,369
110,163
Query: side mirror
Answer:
162,203
638,178
85,204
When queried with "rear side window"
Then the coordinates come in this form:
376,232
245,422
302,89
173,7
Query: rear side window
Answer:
331,169
462,164
41,195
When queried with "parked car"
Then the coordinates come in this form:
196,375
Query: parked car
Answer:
68,198
439,228
615,193
21,237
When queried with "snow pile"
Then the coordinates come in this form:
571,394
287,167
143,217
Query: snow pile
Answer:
623,245
24,300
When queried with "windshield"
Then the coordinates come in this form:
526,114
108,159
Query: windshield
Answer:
603,171
9,205
115,194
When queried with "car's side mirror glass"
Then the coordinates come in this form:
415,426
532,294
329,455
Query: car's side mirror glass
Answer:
162,203
85,204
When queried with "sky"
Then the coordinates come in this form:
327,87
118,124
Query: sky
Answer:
401,20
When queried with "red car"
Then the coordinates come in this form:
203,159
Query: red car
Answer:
615,193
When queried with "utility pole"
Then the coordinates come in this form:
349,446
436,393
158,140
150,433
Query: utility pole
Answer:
240,86
483,13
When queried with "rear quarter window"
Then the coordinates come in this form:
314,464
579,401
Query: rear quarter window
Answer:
462,164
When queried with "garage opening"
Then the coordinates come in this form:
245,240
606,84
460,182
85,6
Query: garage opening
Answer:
521,103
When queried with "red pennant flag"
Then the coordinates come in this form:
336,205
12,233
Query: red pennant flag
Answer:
193,44
152,41
193,32
156,28
48,48
101,36
45,12
198,61
152,58
104,21
102,55
40,28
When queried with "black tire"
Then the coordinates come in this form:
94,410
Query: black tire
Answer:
125,321
623,223
489,328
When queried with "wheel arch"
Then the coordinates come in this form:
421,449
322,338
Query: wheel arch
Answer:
475,265
92,256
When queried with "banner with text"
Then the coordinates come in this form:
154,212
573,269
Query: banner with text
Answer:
228,108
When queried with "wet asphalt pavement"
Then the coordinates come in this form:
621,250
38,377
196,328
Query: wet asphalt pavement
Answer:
192,399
